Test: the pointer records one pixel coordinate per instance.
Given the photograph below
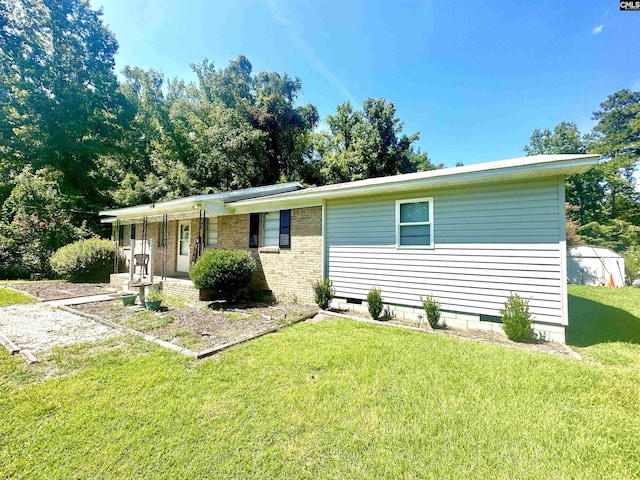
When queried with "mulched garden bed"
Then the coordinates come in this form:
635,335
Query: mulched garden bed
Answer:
57,290
484,336
201,325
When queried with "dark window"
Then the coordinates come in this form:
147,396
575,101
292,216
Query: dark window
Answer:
133,231
254,228
285,228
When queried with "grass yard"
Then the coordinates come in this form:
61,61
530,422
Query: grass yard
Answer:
332,399
605,324
9,296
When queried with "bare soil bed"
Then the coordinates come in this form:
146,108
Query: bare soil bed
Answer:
58,289
201,325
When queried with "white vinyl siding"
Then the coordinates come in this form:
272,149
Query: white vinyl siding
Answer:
488,241
271,232
212,232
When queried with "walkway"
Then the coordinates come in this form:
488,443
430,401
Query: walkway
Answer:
40,326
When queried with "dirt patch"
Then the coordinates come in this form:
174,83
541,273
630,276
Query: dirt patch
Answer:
56,290
200,326
38,327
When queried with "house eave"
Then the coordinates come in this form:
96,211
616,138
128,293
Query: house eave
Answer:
211,203
505,170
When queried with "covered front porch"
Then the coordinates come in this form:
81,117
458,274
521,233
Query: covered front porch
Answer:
160,242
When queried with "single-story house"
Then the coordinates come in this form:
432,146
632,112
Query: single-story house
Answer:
595,266
469,236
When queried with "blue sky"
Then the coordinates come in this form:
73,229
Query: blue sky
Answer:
474,78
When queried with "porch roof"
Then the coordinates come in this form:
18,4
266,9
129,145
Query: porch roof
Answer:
188,207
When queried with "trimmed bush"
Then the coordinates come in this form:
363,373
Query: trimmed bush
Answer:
85,260
374,302
432,310
324,292
516,318
226,271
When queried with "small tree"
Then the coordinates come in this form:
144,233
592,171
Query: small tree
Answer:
374,302
431,310
324,292
227,271
516,318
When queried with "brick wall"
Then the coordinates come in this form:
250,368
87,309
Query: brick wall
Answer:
288,272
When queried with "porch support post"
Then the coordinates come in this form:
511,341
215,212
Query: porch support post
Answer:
116,239
151,251
132,261
165,239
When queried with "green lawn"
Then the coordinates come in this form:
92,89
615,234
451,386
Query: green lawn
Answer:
333,399
9,296
605,323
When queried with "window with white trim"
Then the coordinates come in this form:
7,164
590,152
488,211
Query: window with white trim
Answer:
414,223
277,229
212,232
271,229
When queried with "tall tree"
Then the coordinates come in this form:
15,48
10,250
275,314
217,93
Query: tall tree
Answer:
617,137
62,107
367,143
288,127
584,192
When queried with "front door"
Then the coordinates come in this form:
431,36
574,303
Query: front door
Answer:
184,234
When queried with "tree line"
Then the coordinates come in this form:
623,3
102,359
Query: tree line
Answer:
76,138
603,205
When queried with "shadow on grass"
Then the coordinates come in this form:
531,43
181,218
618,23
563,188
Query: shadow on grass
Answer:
593,322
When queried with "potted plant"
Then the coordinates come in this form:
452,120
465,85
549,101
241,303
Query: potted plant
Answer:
153,300
128,298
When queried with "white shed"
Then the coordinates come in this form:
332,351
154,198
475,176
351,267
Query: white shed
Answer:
593,265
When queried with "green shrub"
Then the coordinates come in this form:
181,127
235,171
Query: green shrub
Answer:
226,271
324,292
432,310
632,261
516,318
86,260
374,302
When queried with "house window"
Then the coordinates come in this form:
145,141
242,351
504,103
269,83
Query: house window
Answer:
271,233
277,229
254,229
126,233
414,223
285,229
212,232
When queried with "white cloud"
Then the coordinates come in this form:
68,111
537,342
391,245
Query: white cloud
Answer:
597,30
305,49
636,86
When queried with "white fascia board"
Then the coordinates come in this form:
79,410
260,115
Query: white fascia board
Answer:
176,207
211,202
434,179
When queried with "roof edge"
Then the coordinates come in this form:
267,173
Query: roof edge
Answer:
548,163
